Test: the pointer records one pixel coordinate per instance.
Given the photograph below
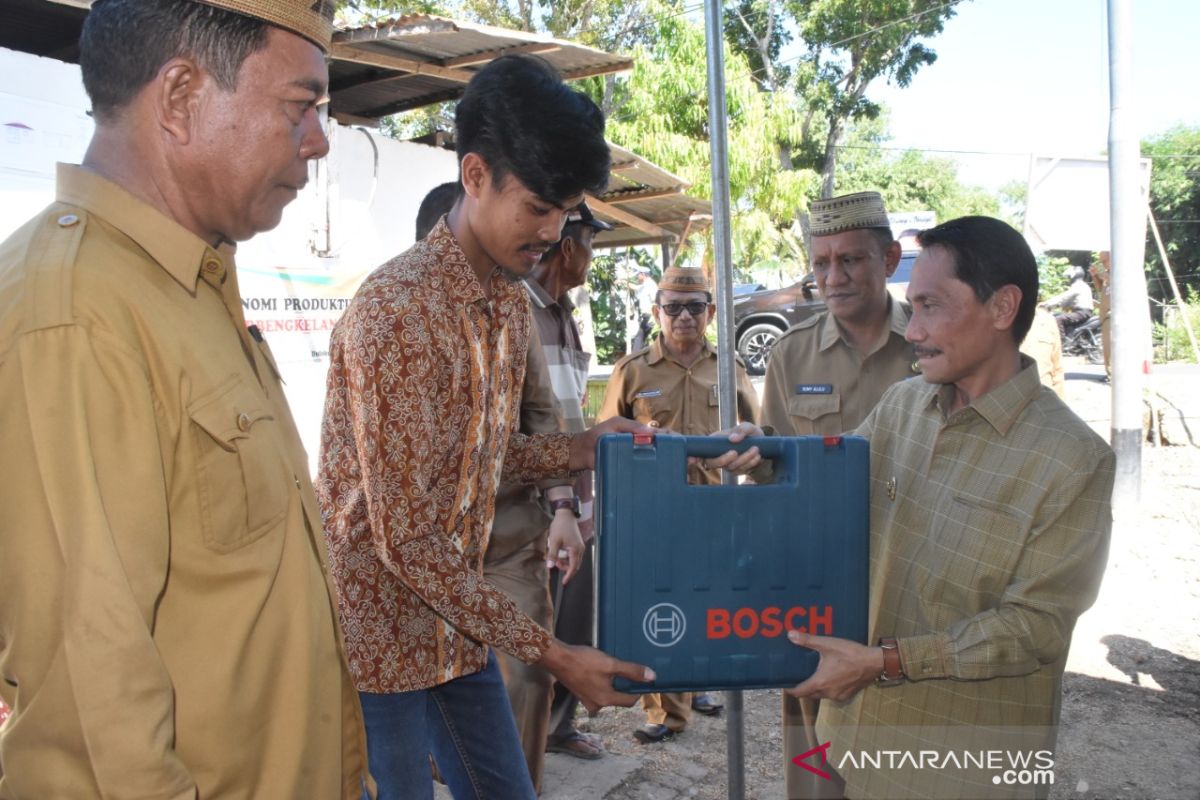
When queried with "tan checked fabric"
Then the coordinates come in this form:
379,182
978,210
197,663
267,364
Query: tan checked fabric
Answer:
846,213
421,420
817,384
994,543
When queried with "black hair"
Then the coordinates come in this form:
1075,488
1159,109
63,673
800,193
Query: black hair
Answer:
125,42
519,116
883,237
436,204
989,254
571,230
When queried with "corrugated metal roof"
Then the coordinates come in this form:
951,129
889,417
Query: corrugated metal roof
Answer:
402,63
43,28
646,203
411,61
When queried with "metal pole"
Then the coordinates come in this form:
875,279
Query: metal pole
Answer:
726,378
1130,314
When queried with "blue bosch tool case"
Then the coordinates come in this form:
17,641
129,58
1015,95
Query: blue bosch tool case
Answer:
701,583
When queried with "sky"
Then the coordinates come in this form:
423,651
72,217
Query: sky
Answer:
1015,77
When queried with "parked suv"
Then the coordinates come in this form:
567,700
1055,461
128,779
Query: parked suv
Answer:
760,318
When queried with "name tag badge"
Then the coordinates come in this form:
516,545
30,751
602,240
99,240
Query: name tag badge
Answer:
814,388
650,393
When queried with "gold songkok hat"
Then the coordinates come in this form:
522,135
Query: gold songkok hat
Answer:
847,213
684,279
312,19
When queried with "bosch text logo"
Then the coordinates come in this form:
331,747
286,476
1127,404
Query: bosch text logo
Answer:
664,625
746,623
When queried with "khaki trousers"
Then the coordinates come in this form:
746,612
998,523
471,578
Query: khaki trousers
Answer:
523,576
673,709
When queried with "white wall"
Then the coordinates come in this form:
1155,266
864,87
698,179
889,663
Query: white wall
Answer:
358,210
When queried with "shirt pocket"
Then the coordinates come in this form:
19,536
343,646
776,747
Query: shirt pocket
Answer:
812,412
654,411
975,552
241,480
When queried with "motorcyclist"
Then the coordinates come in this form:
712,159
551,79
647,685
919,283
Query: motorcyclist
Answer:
1075,303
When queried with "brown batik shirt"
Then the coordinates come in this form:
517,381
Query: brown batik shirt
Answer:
421,420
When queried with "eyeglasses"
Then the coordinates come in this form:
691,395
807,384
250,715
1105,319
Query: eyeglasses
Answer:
695,308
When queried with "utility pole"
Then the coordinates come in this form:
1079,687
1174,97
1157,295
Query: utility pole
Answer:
1130,347
735,742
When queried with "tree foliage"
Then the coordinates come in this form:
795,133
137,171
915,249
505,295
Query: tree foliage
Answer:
661,112
847,46
1175,204
908,180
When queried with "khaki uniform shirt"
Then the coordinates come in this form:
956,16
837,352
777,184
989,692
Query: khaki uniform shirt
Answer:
1043,344
167,628
651,387
818,385
989,536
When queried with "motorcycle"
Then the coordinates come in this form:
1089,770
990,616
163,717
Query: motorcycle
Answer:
1085,340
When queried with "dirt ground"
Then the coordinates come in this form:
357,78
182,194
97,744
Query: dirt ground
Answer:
1131,708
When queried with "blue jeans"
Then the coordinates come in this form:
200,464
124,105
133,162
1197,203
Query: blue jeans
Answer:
466,724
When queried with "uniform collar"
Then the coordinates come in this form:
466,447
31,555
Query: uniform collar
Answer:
173,247
657,353
1000,407
898,314
462,284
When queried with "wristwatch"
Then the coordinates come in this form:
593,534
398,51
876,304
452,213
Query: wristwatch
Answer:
571,502
893,670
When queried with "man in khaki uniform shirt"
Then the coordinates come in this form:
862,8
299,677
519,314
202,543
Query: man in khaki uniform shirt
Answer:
829,371
167,626
673,384
990,521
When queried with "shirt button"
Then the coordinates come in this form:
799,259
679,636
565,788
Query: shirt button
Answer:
297,480
243,422
67,220
212,266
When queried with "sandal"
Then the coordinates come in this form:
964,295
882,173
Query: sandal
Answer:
579,745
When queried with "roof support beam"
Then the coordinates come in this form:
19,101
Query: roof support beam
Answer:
621,198
488,55
626,218
343,52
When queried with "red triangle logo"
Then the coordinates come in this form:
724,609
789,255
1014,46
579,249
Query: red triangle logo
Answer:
823,749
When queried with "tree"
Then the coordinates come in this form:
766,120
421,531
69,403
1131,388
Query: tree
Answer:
1175,204
848,45
908,180
660,111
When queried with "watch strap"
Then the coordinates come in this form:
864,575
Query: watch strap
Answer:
571,503
893,670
